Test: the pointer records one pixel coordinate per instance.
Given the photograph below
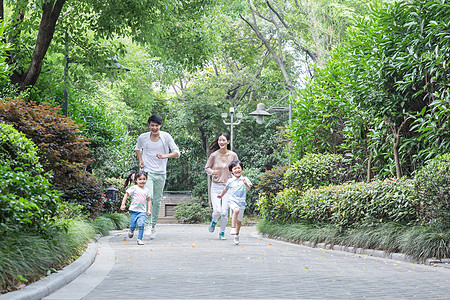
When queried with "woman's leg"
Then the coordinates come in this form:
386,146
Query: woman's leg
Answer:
216,189
224,213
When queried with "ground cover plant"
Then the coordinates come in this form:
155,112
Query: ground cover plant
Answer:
418,241
53,251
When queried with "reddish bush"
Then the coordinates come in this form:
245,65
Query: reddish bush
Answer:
62,149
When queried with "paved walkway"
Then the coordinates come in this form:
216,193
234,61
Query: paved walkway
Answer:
186,261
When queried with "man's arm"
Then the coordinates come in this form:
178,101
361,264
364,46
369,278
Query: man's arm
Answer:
139,156
174,148
170,155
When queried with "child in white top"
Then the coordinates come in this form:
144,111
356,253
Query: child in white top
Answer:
238,186
140,204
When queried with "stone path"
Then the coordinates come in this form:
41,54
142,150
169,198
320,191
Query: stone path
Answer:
187,262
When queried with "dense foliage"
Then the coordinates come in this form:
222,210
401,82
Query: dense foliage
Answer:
18,151
27,200
381,98
315,170
192,212
62,150
432,189
272,181
421,200
350,204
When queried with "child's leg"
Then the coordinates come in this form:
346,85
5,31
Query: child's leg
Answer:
141,224
234,217
239,217
133,219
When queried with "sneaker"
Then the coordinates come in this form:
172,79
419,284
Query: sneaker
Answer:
153,233
233,231
130,233
212,226
140,242
222,236
236,239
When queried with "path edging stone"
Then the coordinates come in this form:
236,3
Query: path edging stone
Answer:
363,251
55,281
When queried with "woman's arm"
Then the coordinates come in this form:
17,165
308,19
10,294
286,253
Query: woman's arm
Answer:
210,164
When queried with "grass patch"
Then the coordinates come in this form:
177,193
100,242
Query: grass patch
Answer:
28,257
120,221
419,242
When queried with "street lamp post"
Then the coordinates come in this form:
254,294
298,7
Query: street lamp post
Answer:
262,112
232,123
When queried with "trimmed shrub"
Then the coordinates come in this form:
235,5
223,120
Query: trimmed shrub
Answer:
192,212
344,205
27,201
432,188
315,170
271,182
85,189
18,151
62,149
57,137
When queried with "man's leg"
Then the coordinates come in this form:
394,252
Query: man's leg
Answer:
155,183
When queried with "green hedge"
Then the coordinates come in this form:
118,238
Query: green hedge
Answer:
272,181
18,151
27,200
316,170
423,199
432,188
344,205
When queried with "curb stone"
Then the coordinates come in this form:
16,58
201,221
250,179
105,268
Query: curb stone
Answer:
55,281
444,263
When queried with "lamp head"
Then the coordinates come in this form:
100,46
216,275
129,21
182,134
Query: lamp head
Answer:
260,113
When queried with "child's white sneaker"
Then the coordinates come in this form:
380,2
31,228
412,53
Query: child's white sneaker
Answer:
140,242
233,231
153,233
130,233
236,239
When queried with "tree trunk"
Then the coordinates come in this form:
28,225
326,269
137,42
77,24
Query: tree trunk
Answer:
50,13
395,146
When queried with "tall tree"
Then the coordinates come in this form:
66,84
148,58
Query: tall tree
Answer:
146,21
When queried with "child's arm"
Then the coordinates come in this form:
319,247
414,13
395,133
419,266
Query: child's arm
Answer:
223,193
246,184
149,207
124,200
